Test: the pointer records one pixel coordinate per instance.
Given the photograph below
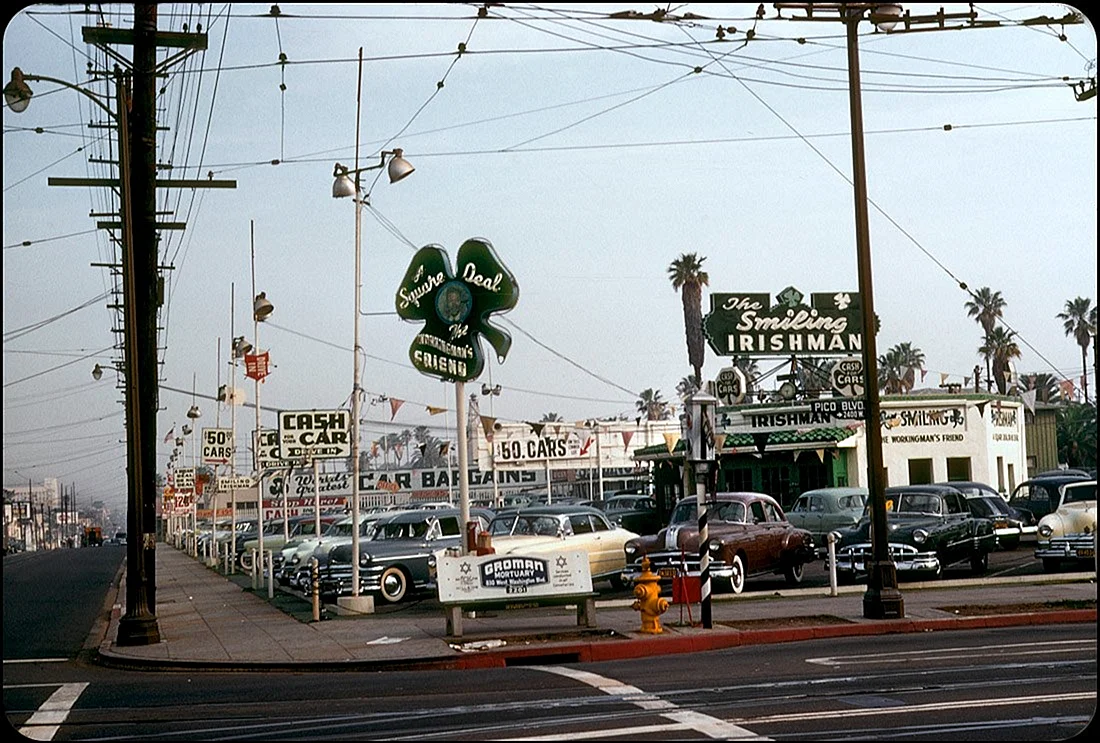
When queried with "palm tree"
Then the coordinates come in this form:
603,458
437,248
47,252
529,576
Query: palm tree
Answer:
650,405
686,386
550,418
986,307
1001,347
428,454
815,377
1046,386
896,368
1079,320
688,277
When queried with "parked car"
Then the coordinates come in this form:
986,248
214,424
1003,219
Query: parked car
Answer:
1041,495
538,530
306,530
393,560
749,535
931,528
1069,534
826,510
634,512
297,568
1008,522
973,487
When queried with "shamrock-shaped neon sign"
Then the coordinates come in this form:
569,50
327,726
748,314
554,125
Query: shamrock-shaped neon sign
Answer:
456,308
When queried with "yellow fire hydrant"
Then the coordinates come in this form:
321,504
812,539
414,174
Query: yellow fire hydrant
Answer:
647,591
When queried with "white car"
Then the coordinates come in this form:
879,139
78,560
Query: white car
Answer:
1069,533
537,530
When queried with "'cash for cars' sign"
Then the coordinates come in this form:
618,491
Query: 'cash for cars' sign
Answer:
512,576
314,434
217,445
266,448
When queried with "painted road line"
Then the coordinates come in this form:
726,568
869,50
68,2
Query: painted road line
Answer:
43,724
711,727
986,652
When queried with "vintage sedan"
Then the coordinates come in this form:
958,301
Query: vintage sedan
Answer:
634,512
826,510
931,528
1041,494
297,569
1008,522
1069,534
537,530
748,533
393,560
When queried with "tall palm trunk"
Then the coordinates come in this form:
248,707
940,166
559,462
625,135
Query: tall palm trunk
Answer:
692,297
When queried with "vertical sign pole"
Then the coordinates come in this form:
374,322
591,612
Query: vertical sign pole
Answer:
704,546
463,460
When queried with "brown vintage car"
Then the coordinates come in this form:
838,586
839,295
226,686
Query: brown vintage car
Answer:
748,533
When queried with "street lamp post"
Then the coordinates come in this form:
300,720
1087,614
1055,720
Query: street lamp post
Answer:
343,187
492,391
261,308
882,598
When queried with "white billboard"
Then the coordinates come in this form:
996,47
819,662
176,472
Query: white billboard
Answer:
314,434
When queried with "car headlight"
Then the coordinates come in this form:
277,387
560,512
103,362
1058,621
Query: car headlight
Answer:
714,546
431,560
630,550
919,536
1045,531
364,558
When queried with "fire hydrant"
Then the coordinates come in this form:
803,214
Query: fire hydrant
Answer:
647,591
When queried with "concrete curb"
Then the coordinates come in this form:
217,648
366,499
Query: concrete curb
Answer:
697,640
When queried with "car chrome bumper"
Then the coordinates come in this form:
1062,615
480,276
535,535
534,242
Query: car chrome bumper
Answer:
1072,547
906,559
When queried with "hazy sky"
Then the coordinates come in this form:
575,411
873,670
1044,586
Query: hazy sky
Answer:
589,152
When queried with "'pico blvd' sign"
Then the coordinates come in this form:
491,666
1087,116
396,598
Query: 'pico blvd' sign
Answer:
314,434
744,323
455,309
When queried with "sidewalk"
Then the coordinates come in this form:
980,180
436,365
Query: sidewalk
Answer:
208,621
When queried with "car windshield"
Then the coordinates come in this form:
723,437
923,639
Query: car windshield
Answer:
526,525
850,502
621,504
401,530
1080,493
915,503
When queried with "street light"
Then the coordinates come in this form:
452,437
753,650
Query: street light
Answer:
882,599
135,119
97,372
343,187
261,310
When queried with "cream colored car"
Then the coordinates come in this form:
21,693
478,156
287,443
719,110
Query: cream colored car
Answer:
1069,533
537,530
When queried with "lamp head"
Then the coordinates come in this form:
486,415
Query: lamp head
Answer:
241,346
343,186
194,412
17,94
261,307
886,16
399,167
97,372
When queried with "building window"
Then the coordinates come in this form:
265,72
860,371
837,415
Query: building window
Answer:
776,482
739,479
1000,474
920,471
958,468
1011,477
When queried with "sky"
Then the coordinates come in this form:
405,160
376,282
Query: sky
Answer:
589,151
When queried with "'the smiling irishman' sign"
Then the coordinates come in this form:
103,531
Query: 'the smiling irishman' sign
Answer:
455,309
748,324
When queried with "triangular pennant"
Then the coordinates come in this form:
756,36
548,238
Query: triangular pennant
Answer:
821,455
487,426
444,448
671,439
981,407
1067,388
719,442
436,411
537,427
760,440
923,372
584,448
943,378
395,405
422,448
627,436
1029,400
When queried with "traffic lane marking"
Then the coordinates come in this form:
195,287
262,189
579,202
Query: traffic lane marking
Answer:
683,719
44,723
985,652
